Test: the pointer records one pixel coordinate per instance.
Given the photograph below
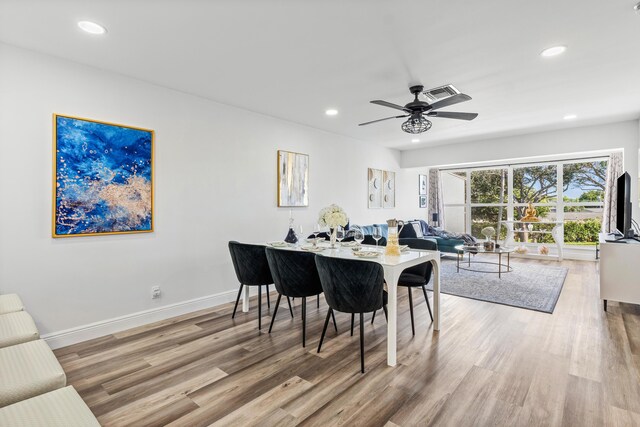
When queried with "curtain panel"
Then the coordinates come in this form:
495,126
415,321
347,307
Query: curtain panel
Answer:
436,202
615,168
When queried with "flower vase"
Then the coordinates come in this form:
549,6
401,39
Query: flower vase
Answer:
333,237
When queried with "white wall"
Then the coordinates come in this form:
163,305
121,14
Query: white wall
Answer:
560,143
215,180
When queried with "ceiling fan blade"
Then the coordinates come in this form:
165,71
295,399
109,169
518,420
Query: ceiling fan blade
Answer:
380,120
452,115
454,99
390,105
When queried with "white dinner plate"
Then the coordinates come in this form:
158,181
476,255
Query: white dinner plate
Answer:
278,244
367,254
312,248
317,239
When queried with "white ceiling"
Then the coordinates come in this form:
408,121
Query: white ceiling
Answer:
292,59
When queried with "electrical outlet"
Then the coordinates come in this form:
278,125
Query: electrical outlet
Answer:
155,292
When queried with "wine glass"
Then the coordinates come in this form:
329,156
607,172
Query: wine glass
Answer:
339,233
377,233
300,233
317,229
358,235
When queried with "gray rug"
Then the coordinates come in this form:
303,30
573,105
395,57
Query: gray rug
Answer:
531,286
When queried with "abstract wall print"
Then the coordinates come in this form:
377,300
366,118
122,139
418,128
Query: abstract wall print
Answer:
423,201
422,185
375,188
389,189
103,182
293,179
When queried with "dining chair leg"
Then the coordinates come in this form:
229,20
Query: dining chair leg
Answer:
290,309
426,298
374,316
259,307
304,321
362,342
413,328
268,299
237,301
275,311
353,316
386,313
335,325
324,330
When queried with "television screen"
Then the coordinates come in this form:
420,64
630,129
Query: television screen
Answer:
623,216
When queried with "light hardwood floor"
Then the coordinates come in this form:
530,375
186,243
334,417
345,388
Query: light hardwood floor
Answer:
489,365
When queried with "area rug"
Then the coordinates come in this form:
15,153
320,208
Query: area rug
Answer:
530,286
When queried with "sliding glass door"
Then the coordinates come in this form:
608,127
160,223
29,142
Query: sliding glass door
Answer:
570,191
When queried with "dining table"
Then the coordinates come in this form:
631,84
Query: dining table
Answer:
393,267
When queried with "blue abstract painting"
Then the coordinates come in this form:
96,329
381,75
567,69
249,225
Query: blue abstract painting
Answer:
103,178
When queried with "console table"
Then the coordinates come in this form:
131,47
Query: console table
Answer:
619,274
519,227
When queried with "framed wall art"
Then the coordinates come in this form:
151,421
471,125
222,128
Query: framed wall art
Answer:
374,196
422,185
293,179
102,178
389,189
422,201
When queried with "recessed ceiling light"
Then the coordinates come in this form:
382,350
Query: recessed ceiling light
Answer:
553,51
637,8
331,112
92,27
570,116
415,140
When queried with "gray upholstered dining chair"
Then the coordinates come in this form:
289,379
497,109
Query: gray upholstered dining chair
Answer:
252,269
295,275
417,276
350,286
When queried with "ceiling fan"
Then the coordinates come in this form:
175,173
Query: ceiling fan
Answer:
416,110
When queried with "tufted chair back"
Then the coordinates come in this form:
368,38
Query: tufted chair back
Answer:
351,286
294,273
250,263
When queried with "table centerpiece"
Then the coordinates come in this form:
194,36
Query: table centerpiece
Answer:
332,216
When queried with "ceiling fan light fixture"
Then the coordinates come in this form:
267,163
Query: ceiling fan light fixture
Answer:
416,124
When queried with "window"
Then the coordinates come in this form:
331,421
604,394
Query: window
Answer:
488,200
567,191
583,199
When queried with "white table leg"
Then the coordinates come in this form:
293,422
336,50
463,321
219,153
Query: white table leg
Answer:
391,277
436,292
245,300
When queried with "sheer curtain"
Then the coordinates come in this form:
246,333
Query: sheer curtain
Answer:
615,168
436,203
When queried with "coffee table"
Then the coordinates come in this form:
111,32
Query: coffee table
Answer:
463,249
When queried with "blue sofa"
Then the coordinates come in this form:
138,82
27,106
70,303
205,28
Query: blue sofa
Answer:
419,229
410,231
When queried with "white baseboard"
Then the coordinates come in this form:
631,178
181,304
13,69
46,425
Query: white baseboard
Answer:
117,324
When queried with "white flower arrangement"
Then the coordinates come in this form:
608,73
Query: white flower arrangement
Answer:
488,232
332,216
